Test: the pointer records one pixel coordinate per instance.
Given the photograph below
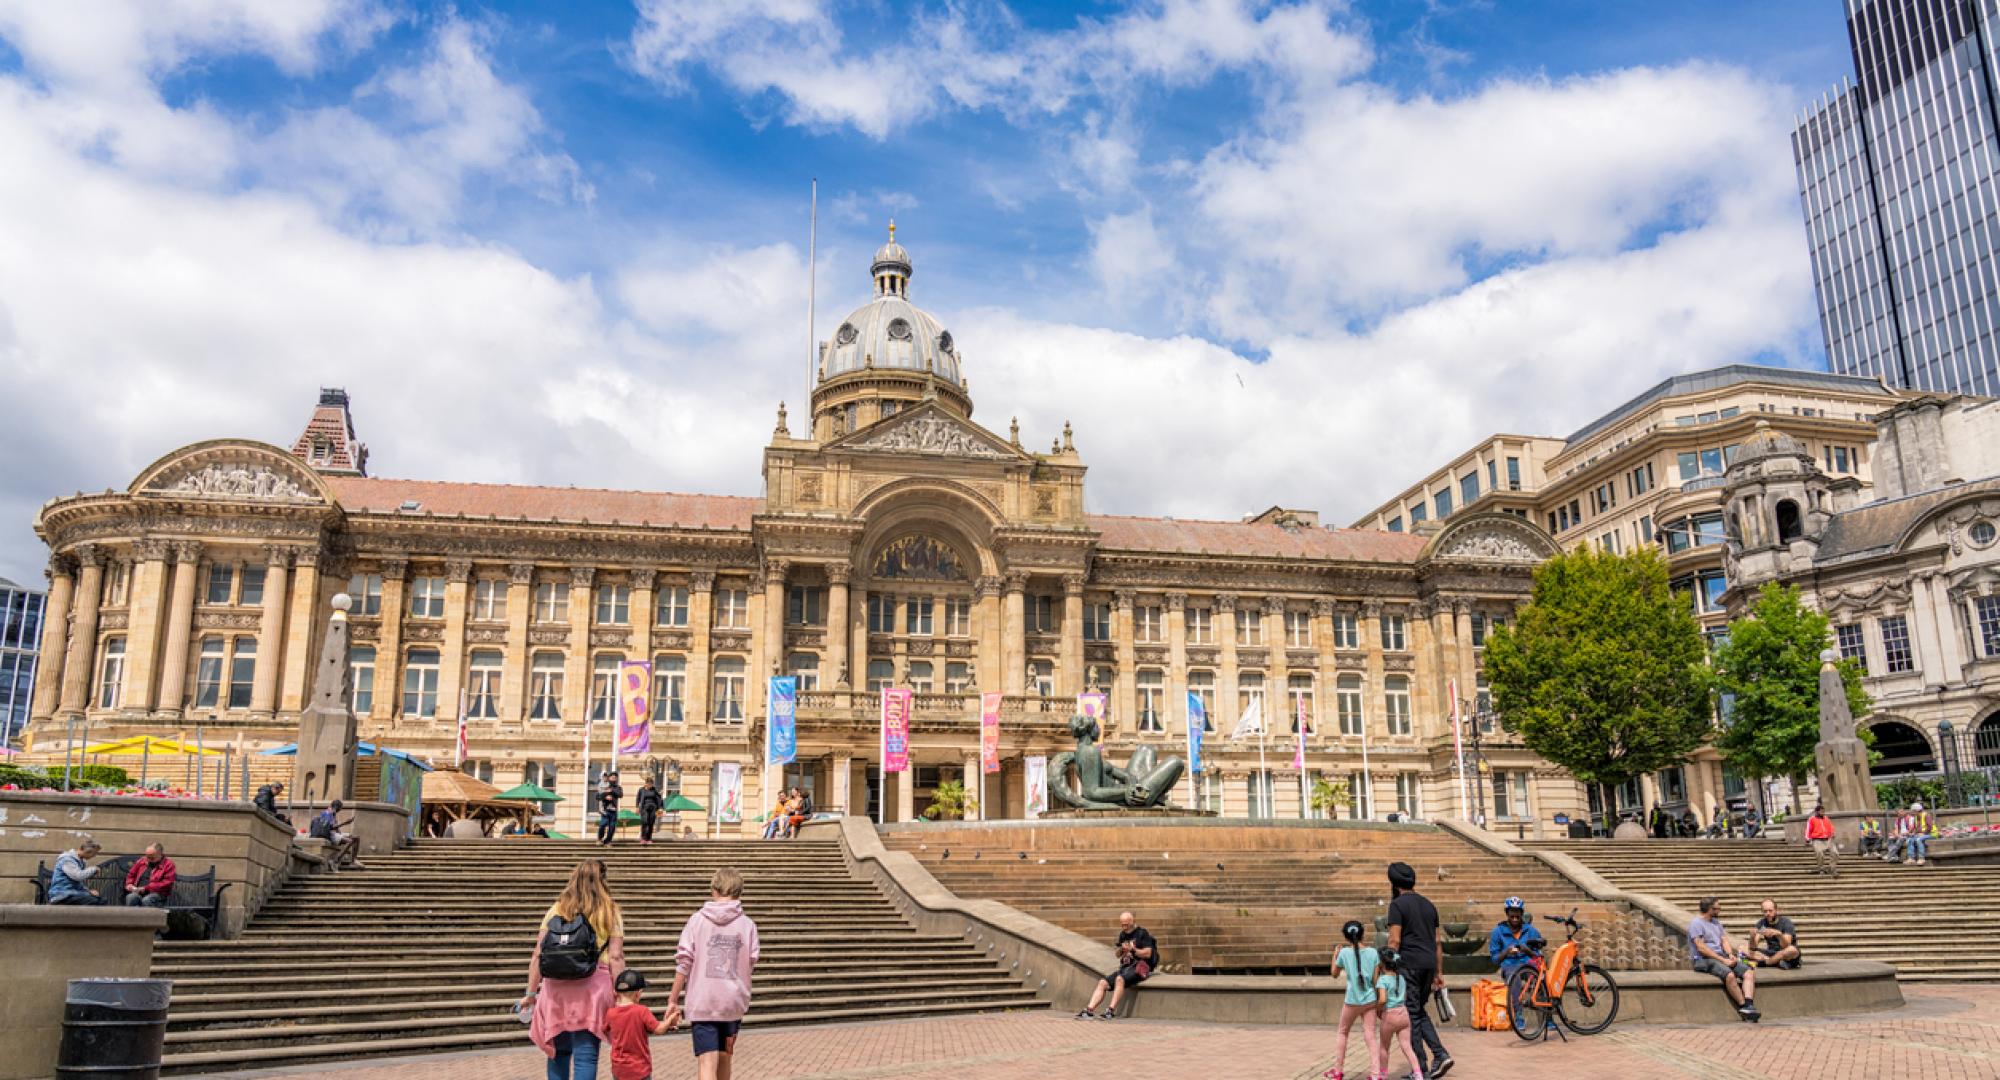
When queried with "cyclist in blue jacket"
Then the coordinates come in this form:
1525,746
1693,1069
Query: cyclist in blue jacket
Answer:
1507,946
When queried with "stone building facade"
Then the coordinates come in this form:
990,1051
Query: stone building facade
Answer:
897,543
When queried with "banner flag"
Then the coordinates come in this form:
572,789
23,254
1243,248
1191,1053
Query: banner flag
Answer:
1197,720
1299,751
635,707
1094,704
896,729
782,732
728,800
1251,722
989,733
1037,779
462,750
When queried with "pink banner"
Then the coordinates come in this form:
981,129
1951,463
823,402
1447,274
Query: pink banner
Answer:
896,729
1299,752
1093,704
635,707
989,733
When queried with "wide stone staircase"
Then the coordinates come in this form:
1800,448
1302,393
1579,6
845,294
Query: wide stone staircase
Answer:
1934,923
1262,899
425,950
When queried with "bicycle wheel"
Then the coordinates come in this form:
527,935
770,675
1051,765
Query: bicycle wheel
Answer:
1590,1000
1529,1020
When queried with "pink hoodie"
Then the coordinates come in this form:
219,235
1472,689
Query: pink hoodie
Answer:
717,950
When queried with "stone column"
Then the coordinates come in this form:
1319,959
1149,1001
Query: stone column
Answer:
577,659
640,645
992,654
271,631
1463,663
1070,666
833,663
857,637
180,628
1933,631
1124,691
1372,699
701,612
1325,724
970,777
451,653
1014,652
520,611
145,623
1225,688
768,644
83,632
1175,706
299,625
841,793
55,638
906,792
1277,675
389,641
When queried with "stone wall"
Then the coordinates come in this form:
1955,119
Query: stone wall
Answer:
249,849
45,948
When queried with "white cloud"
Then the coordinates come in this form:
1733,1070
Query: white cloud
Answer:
1132,260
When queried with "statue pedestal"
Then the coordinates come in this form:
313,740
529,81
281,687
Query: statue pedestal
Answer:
1145,813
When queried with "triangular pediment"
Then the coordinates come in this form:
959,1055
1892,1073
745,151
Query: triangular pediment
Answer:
929,430
236,470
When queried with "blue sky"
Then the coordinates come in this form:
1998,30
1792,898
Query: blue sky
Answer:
1308,247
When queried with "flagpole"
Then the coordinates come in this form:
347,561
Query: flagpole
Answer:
1304,809
1187,739
459,748
583,811
1367,795
1458,751
1263,770
881,756
812,298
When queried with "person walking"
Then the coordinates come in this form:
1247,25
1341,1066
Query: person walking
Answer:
649,810
69,882
631,1025
1361,966
1417,938
608,794
1392,992
578,954
712,966
1819,833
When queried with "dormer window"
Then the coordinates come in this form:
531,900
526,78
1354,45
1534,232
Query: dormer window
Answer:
322,451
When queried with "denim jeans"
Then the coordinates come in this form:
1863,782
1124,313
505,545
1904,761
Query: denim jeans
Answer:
1918,847
578,1049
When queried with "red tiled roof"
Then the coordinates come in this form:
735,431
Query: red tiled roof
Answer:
521,503
1266,540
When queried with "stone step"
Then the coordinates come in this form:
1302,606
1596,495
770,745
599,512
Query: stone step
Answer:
187,976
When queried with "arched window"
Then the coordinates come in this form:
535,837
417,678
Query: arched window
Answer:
1789,523
1900,749
1986,742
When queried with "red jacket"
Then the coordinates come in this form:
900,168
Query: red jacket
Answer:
1819,828
162,881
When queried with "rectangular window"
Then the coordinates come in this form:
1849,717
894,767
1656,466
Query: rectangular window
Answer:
603,688
1396,702
728,691
805,605
957,677
804,667
1714,462
1097,622
958,617
1396,524
489,600
1347,699
1202,685
551,602
1360,798
1492,475
364,589
1986,622
1482,701
1042,678
1896,654
420,683
242,671
1044,614
1298,629
1392,633
361,665
1418,514
1250,688
1510,794
1642,533
117,585
1608,542
881,675
1442,500
1408,796
917,616
732,609
1468,489
221,583
208,673
1851,647
1299,702
1346,630
1513,474
614,605
1690,465
1149,624
111,674
881,614
1152,684
1249,626
670,606
669,689
1211,791
1478,629
482,686
1257,786
427,598
1200,625
1713,585
545,687
920,676
252,592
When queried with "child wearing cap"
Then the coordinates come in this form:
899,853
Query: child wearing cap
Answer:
630,1024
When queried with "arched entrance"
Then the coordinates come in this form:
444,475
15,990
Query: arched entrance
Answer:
1986,741
1901,749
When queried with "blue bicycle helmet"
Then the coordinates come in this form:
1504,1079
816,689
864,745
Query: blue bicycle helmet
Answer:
1514,903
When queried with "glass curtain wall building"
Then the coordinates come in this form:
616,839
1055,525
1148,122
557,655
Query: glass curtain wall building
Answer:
1899,176
20,642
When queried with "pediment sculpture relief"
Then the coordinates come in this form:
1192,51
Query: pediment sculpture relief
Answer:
1491,544
239,481
917,558
932,435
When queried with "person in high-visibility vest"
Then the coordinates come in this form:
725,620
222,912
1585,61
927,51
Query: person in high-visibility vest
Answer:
1922,828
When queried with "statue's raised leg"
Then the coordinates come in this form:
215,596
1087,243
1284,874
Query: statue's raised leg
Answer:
1154,785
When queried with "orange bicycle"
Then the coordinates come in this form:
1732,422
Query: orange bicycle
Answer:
1583,996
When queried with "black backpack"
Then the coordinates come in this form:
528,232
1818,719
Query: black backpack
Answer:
569,948
321,827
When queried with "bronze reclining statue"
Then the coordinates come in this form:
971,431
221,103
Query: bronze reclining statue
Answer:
1145,781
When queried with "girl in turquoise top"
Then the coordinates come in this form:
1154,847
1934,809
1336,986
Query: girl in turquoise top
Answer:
1359,966
1389,984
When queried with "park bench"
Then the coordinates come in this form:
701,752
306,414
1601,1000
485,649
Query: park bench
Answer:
193,895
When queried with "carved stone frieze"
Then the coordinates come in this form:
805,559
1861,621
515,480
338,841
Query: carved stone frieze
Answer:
1150,654
423,631
959,649
1100,651
644,577
1302,657
244,480
521,573
150,550
1246,657
1491,542
1203,655
225,620
671,639
921,646
1225,602
610,638
810,489
734,641
113,620
360,631
1392,662
548,635
458,570
580,577
486,635
932,434
394,567
702,580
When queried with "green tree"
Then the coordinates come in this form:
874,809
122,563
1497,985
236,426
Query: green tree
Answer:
1605,673
1769,670
950,800
1327,796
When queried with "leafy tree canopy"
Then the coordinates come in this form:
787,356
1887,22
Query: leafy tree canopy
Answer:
1769,670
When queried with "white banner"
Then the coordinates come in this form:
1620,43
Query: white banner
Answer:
725,803
1036,777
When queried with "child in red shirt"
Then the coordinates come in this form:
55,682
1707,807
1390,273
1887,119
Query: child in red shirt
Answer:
630,1024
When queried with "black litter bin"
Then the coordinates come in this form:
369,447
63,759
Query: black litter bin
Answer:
113,1028
1579,830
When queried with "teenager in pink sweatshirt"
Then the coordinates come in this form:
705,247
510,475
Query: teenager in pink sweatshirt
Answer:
712,965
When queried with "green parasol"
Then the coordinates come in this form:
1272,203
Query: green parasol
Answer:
530,792
682,802
629,816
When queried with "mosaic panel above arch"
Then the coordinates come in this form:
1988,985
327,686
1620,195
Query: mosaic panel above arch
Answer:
917,557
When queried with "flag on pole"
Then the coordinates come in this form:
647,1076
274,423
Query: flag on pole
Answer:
1197,721
1036,772
781,743
1299,746
461,730
989,733
634,733
1251,722
896,729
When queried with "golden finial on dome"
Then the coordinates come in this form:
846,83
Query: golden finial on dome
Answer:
892,230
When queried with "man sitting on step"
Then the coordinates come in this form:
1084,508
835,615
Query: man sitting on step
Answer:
1774,940
1138,958
345,846
1713,953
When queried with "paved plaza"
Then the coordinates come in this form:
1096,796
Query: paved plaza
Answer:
1945,1033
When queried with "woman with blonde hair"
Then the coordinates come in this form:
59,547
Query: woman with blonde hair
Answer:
579,951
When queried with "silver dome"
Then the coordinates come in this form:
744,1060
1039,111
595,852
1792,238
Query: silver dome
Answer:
889,332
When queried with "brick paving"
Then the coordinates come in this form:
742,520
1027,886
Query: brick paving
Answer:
1946,1032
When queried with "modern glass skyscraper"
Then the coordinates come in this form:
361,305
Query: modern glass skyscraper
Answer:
20,641
1899,173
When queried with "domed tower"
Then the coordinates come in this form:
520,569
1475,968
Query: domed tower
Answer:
886,356
1777,506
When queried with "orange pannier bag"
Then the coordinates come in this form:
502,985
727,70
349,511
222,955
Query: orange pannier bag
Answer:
1489,1005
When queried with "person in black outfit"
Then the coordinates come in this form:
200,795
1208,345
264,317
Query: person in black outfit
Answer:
608,795
267,800
649,810
1416,936
1138,958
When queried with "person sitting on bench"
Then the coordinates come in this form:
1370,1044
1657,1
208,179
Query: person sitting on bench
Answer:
1138,958
1711,952
67,885
150,882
